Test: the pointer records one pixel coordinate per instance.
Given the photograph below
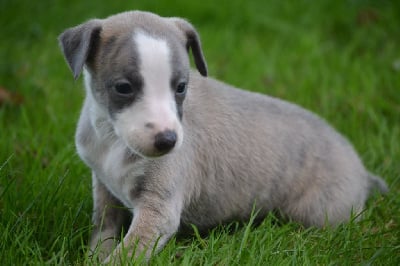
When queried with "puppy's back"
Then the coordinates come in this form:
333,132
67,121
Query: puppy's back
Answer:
245,147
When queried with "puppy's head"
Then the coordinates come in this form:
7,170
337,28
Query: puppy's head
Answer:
137,72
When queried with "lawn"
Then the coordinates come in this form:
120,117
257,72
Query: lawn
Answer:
340,59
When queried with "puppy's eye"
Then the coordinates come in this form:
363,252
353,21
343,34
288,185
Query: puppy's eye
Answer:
123,88
181,88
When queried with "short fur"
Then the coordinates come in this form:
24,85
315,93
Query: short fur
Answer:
237,149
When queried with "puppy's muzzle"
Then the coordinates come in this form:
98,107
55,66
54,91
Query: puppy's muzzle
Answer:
165,141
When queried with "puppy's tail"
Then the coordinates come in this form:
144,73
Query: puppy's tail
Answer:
377,183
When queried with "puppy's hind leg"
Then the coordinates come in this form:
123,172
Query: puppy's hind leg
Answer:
109,218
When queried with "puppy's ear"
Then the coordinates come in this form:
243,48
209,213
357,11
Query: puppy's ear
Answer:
78,43
193,43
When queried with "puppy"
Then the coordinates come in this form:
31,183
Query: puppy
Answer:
175,147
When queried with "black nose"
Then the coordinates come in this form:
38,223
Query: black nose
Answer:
165,141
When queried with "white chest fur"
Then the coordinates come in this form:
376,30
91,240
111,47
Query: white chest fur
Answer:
108,161
107,155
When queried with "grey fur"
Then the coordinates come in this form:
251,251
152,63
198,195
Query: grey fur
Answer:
77,43
239,149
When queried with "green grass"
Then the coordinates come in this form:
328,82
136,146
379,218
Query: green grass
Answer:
340,59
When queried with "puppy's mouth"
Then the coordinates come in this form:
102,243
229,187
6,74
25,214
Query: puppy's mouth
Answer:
147,155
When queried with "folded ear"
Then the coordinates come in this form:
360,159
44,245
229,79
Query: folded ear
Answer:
193,42
78,43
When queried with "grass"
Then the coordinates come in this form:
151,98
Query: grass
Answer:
340,59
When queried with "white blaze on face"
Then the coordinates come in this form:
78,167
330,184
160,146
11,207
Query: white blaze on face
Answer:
155,68
156,111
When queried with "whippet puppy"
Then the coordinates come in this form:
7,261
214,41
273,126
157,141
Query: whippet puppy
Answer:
175,147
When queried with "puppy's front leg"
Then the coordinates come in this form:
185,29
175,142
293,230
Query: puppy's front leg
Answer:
109,217
153,224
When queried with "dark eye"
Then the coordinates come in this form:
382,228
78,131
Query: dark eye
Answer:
123,88
181,88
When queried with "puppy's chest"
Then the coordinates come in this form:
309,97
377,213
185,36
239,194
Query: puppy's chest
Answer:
112,164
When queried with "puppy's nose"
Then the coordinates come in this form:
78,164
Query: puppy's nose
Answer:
165,141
